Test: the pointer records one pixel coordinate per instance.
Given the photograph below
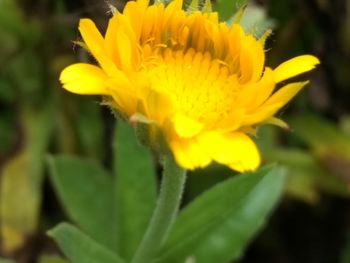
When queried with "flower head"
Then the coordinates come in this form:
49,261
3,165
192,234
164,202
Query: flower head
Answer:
201,83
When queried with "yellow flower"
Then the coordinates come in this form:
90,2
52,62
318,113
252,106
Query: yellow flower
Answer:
202,83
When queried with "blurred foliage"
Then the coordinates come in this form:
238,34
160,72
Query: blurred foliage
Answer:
37,117
21,179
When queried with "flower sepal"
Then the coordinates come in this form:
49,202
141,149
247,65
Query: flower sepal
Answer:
148,133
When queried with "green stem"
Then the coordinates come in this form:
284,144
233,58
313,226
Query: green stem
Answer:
172,185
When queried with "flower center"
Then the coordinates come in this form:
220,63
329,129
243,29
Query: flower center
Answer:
200,87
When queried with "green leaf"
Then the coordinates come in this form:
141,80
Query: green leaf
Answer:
80,248
328,143
217,226
345,253
227,8
51,259
21,179
322,136
135,188
10,18
3,260
306,178
88,123
85,190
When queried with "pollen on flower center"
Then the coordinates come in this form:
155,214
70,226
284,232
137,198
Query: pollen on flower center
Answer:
200,87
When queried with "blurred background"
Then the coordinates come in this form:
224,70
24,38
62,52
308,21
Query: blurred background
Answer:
38,118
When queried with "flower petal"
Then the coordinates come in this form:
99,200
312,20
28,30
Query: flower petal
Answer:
84,78
134,12
189,154
95,42
261,114
246,65
186,127
254,94
123,94
157,104
295,66
286,93
252,60
235,150
274,103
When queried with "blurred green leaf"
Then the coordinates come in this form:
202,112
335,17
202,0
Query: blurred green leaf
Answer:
88,123
227,8
321,135
7,126
21,179
26,72
135,188
22,71
80,248
3,260
51,259
306,176
7,93
345,254
85,190
217,226
267,139
345,124
329,144
13,22
10,17
201,180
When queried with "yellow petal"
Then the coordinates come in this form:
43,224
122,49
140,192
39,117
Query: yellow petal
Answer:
259,59
252,60
123,94
261,114
189,154
84,78
295,66
120,42
91,35
246,63
254,94
143,3
95,43
111,37
186,127
134,13
286,93
235,150
233,121
157,104
124,48
264,88
274,103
